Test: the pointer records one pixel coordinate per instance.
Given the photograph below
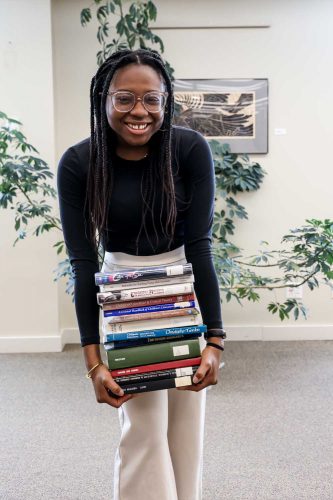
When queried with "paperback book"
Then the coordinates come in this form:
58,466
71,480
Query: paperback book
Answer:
150,315
140,293
141,274
190,320
144,284
149,309
159,301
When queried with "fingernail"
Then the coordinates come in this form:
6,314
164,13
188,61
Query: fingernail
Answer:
195,380
121,392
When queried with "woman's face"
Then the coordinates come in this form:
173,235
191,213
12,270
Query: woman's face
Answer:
136,127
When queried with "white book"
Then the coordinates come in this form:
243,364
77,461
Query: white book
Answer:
147,283
144,293
152,324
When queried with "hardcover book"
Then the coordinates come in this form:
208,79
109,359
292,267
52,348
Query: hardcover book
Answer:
123,344
157,375
167,365
157,385
155,353
162,332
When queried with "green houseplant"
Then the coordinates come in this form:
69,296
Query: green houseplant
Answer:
26,187
128,27
305,256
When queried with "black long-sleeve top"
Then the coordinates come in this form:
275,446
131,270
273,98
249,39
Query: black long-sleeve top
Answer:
194,186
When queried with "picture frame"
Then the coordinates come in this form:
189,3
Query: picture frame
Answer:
233,111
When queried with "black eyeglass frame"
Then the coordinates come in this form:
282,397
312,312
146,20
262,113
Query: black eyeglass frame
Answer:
165,94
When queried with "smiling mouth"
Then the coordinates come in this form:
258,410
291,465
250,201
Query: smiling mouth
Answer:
138,126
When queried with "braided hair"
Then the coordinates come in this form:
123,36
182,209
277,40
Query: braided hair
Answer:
103,145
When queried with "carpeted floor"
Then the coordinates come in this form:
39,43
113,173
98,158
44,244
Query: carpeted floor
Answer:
269,432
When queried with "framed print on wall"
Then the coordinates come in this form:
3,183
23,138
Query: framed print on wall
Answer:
231,111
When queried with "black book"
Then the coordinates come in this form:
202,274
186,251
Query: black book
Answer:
156,385
157,375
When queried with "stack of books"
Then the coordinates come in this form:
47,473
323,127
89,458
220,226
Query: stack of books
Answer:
151,326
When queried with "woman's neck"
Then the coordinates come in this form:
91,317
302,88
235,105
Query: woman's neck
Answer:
135,153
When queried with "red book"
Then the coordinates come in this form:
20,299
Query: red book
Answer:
167,365
169,299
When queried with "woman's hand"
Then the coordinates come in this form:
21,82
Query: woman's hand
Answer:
103,381
207,373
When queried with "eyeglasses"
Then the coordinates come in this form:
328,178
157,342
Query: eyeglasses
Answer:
124,101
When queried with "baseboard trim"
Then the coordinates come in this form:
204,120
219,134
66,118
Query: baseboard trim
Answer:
283,332
56,343
70,336
25,344
39,343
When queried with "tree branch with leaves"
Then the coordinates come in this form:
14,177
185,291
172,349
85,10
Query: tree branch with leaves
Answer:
25,188
306,256
127,28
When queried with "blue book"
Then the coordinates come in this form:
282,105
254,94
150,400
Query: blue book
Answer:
154,308
162,332
123,344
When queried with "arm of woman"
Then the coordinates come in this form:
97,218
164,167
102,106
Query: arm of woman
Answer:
71,180
200,178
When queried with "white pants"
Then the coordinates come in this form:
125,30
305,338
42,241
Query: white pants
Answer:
159,456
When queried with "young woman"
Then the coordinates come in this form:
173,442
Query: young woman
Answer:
146,189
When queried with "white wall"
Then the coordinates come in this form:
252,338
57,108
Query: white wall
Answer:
28,296
294,54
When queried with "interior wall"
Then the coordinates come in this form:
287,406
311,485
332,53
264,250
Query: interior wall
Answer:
293,53
28,296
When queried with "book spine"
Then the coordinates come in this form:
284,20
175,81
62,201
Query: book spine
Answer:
137,284
163,332
167,365
158,375
123,344
139,293
173,299
140,326
126,275
155,353
151,315
157,385
149,309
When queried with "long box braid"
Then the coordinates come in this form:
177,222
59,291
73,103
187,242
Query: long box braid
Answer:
103,144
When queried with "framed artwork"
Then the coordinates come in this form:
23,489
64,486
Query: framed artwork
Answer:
231,111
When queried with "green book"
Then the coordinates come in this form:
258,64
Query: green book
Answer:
154,353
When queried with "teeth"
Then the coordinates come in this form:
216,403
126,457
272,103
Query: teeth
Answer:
137,126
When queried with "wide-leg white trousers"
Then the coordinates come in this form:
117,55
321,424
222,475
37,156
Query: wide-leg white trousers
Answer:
159,456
